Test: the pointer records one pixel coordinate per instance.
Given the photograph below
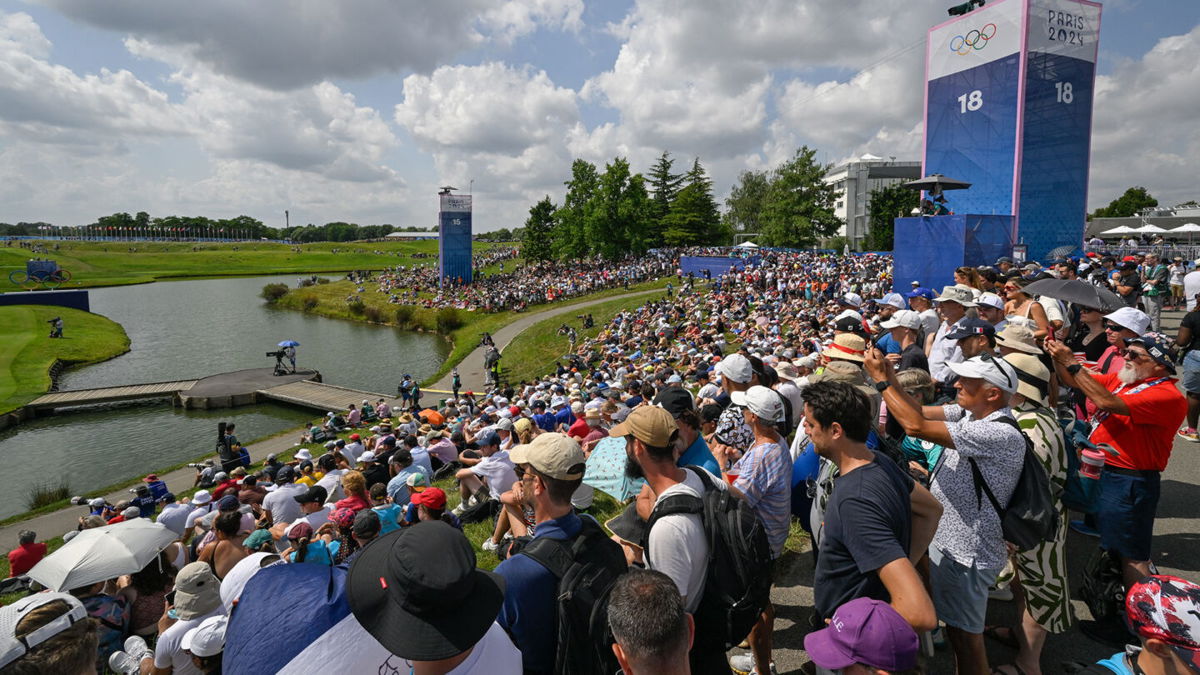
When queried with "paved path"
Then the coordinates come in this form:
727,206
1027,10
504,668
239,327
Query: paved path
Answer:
471,370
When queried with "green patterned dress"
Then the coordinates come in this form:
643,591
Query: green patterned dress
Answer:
1043,570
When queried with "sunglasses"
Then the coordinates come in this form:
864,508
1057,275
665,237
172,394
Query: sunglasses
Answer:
993,361
1130,355
1113,327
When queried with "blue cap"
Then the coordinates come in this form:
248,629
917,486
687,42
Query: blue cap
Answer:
926,293
487,437
968,327
1159,347
894,299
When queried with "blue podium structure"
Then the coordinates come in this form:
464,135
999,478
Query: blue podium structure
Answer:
1008,108
929,248
454,238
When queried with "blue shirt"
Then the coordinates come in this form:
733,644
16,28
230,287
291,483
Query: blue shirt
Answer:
564,417
531,597
397,487
318,552
545,421
421,462
888,344
389,517
698,454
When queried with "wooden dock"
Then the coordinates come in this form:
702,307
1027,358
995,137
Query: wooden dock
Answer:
64,399
321,396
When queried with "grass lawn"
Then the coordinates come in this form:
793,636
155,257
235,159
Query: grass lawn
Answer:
330,300
532,353
28,351
115,263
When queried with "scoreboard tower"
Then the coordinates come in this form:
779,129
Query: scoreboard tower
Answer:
1008,108
454,238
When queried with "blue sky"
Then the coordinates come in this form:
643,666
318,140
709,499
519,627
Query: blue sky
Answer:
357,110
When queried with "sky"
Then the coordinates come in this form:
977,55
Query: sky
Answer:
357,110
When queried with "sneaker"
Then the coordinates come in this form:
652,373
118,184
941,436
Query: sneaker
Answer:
458,510
1189,434
1082,528
1003,594
124,664
135,646
743,664
490,545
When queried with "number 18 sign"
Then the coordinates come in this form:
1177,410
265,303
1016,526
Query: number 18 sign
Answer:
1008,108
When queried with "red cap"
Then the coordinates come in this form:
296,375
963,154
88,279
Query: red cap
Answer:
514,410
434,498
355,437
151,478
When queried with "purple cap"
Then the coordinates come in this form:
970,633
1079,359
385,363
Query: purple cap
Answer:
864,631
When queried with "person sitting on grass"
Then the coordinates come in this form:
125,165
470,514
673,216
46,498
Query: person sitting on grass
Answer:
491,475
27,553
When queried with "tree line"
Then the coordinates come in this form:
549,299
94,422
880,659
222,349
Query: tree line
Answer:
187,227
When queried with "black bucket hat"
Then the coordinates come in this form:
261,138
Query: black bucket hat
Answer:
417,591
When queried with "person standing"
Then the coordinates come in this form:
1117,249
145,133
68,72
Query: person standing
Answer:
1188,340
952,306
1154,289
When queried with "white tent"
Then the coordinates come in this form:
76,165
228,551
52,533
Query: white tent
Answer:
747,244
1187,228
1150,229
1116,231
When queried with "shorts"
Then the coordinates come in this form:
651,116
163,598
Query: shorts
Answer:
960,592
1191,372
1125,512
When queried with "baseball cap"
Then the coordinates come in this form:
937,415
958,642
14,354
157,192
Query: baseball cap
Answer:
851,299
1159,347
97,502
1167,608
313,495
894,299
228,503
992,370
969,327
848,323
417,481
736,367
486,437
207,639
366,524
287,474
433,498
649,424
505,424
674,400
990,300
197,591
554,455
761,401
926,293
12,648
131,512
957,293
903,318
1133,319
367,456
867,631
150,478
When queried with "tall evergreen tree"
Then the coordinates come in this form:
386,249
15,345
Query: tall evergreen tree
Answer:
538,231
570,236
693,217
799,206
664,186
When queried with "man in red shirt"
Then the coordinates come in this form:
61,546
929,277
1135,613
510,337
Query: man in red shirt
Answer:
1139,409
27,554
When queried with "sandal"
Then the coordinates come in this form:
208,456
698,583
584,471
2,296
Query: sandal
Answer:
1003,635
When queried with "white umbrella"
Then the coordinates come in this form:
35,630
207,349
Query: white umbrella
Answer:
1150,229
1124,229
747,244
1187,228
102,553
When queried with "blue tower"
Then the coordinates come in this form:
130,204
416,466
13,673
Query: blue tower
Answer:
454,237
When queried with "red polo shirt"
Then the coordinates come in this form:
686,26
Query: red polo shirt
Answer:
1144,436
22,558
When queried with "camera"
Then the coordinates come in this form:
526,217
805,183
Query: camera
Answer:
198,467
276,354
78,501
54,320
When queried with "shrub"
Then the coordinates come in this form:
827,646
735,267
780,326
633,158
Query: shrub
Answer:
373,314
322,280
404,315
309,302
356,307
305,282
448,320
44,494
273,292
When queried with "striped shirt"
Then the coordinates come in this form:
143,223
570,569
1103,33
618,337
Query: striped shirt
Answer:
764,476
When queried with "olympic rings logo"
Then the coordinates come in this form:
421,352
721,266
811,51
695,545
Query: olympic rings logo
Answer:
975,40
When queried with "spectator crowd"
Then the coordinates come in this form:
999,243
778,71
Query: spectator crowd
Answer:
933,445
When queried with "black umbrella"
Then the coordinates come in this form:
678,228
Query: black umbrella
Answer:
936,183
1079,292
1060,252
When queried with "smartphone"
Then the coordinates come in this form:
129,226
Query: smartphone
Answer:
171,598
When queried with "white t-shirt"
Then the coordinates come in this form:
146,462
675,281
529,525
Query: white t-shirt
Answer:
499,471
332,482
315,519
282,502
168,652
930,321
196,514
352,451
677,545
1191,286
175,516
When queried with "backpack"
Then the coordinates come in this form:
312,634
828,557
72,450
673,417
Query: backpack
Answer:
1103,589
586,568
738,584
1031,515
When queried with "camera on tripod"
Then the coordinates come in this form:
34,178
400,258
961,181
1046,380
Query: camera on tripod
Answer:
197,466
276,354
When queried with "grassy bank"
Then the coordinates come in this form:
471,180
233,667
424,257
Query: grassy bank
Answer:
28,351
117,263
533,353
461,327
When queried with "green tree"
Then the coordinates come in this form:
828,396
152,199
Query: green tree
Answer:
693,217
664,187
539,228
141,220
886,204
798,210
1129,204
616,221
743,207
570,240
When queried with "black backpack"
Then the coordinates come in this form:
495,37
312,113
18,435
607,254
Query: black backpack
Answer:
586,568
1031,515
738,585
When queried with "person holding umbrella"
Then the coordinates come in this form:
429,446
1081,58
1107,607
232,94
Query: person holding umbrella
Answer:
289,350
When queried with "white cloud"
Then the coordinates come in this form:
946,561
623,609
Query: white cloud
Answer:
515,18
1144,129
